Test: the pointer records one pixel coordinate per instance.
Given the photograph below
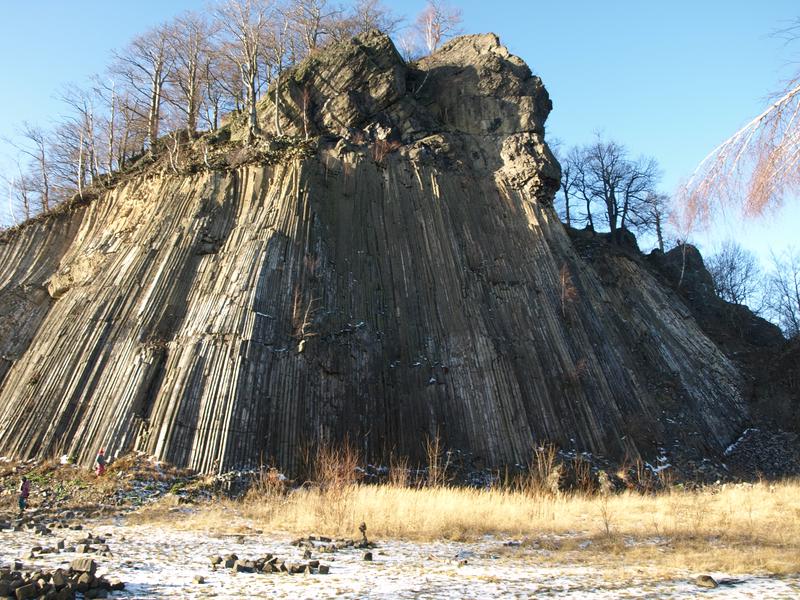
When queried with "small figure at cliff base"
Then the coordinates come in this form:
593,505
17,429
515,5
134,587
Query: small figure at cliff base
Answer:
24,492
100,463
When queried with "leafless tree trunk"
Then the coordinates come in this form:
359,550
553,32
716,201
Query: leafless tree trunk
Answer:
145,65
437,22
605,175
310,22
652,215
191,46
19,195
36,149
736,274
783,295
80,167
245,23
658,224
112,113
82,128
570,182
276,43
372,14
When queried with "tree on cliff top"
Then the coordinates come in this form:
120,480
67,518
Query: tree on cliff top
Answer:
187,73
437,22
783,292
245,23
146,65
603,175
736,274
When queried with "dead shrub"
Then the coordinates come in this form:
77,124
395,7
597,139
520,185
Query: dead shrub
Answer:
438,461
568,293
382,148
544,473
398,472
335,474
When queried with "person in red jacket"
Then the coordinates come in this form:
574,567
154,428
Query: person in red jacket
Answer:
100,461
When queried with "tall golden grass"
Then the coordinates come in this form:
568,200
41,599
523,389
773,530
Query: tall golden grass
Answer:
733,528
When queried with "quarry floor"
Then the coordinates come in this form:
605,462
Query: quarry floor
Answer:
162,562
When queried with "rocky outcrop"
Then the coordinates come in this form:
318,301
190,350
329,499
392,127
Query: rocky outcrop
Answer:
409,279
769,363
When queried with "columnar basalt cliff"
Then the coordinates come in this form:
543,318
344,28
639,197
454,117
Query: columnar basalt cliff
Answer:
407,278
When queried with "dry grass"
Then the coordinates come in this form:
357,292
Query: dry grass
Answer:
733,528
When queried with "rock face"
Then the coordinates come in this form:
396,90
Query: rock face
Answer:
409,278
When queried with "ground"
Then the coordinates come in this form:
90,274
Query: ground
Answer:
159,562
163,527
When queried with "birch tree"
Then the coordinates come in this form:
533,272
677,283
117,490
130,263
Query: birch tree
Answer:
759,165
37,181
437,22
245,23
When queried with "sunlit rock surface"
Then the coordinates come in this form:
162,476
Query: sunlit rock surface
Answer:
409,278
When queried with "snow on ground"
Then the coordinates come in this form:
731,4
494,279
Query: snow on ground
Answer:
160,562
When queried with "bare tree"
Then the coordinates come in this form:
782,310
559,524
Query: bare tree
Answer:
760,162
364,16
20,195
146,65
653,215
783,291
604,175
310,23
132,131
104,90
224,91
245,24
372,14
570,182
437,22
191,47
77,137
37,181
408,44
69,159
736,274
276,43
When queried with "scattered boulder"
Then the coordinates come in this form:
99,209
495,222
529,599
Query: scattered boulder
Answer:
58,584
244,566
706,581
268,564
83,565
25,592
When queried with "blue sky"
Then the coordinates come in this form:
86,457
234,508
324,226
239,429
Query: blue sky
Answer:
667,79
